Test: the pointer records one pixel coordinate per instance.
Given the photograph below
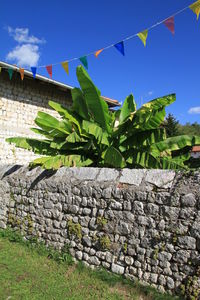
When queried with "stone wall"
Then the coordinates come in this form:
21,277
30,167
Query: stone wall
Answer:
143,224
19,103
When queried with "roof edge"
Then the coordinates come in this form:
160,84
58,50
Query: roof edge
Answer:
110,101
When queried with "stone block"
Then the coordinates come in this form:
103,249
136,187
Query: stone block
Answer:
106,174
133,177
188,200
117,269
160,178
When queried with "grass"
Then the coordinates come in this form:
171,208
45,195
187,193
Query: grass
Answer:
29,271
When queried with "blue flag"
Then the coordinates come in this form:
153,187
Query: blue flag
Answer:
34,69
120,47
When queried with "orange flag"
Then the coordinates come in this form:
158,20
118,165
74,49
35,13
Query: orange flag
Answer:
65,66
98,52
21,71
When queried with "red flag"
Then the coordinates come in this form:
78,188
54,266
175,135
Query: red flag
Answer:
49,70
169,23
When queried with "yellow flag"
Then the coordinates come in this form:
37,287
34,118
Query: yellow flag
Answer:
0,69
143,36
195,7
65,66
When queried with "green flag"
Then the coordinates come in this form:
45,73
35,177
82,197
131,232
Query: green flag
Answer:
84,61
10,72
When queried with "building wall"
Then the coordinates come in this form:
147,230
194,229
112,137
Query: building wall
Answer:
19,103
144,224
195,154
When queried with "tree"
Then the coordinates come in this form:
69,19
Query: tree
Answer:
191,129
171,126
88,133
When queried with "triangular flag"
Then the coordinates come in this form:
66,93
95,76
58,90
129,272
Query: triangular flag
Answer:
143,36
10,72
21,71
49,70
120,47
98,52
65,66
84,61
169,23
34,70
195,7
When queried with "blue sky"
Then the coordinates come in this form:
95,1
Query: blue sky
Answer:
46,32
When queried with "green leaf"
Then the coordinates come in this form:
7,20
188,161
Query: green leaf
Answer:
144,138
96,131
175,143
97,107
147,119
160,102
48,119
79,103
55,162
37,146
128,107
41,132
64,112
114,158
151,114
142,159
75,138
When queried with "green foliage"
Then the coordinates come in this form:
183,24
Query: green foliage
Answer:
190,129
74,229
101,221
105,242
171,126
125,247
88,134
190,290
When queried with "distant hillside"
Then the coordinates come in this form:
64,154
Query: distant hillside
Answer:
174,128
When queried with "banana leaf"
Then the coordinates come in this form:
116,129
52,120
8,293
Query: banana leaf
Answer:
96,131
55,162
97,107
37,146
79,103
113,158
128,107
64,112
175,143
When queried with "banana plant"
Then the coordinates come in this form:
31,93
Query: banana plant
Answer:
88,134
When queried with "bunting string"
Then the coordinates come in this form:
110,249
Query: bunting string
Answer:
168,22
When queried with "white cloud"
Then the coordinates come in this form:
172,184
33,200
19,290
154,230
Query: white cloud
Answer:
21,35
194,110
24,55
